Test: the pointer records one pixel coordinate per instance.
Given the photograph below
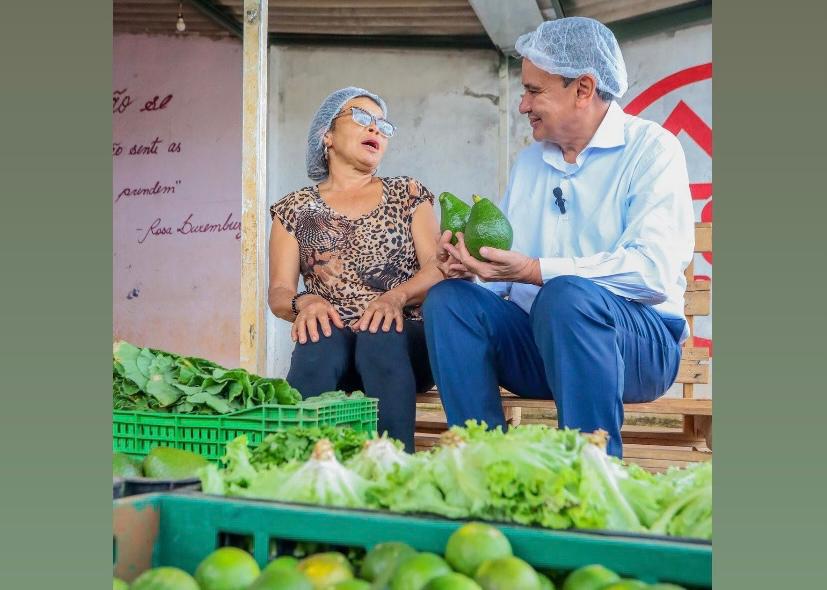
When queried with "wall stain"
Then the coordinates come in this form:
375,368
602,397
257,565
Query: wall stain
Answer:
495,100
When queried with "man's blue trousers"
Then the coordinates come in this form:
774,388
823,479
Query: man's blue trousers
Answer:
582,346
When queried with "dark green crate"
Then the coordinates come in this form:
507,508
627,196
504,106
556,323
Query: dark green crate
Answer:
181,529
136,433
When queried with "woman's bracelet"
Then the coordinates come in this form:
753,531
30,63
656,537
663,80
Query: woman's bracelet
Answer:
293,302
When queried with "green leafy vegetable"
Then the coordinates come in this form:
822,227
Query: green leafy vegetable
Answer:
148,379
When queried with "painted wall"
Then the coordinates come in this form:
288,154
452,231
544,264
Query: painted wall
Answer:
176,194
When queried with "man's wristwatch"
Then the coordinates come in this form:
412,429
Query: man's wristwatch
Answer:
293,302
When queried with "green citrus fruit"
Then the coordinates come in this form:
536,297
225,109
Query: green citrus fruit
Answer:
227,568
164,578
505,573
453,581
353,584
326,569
118,584
474,543
417,571
281,563
626,585
383,559
590,577
281,579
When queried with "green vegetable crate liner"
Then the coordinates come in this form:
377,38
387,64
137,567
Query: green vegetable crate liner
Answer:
180,529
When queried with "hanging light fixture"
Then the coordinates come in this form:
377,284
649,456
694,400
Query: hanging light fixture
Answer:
180,25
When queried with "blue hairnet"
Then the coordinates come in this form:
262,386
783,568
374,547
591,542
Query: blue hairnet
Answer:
314,161
576,45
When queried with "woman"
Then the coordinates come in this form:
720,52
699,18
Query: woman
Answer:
365,247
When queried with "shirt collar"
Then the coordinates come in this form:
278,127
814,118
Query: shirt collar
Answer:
611,132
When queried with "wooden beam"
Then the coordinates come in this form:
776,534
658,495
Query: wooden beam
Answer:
254,186
219,16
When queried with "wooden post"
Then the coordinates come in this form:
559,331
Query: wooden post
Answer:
254,186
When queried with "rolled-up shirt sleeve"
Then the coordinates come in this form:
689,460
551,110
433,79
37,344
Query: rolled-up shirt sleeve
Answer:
658,238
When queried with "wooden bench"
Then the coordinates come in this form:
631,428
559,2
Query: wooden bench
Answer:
652,447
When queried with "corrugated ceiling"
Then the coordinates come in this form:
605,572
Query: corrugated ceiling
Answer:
449,20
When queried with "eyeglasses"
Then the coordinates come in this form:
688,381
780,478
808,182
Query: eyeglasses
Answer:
364,118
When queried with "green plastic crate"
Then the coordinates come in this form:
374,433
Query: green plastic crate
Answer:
136,433
181,529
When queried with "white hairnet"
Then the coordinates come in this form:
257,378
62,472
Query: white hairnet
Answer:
573,46
314,160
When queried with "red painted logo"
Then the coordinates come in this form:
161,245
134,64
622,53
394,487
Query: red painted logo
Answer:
683,118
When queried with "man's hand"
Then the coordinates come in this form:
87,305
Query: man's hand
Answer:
448,265
501,265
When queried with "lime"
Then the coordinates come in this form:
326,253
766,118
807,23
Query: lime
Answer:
453,581
474,543
281,563
164,578
353,584
545,582
326,569
118,584
383,559
124,466
626,585
590,577
227,568
505,573
281,579
417,571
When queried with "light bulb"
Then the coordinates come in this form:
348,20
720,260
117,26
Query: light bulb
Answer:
180,25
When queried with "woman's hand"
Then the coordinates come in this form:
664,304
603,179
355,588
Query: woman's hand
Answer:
314,311
384,310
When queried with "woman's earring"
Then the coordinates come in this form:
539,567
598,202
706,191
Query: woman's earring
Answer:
325,151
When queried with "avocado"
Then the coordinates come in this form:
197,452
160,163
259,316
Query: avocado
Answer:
169,463
487,226
454,214
124,466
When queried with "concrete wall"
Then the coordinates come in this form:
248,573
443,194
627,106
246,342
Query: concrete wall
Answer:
176,212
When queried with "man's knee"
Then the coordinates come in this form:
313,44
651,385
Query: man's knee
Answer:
450,295
569,297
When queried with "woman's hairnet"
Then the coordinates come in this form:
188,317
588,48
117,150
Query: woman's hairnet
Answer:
330,107
573,46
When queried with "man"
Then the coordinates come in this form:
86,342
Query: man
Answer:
603,230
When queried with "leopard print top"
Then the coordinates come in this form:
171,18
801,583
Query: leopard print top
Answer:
350,262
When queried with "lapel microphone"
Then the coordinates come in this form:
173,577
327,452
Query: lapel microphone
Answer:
559,200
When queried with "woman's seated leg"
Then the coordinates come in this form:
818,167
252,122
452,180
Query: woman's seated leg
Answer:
316,367
383,361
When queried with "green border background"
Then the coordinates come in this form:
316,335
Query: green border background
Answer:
56,286
55,314
769,85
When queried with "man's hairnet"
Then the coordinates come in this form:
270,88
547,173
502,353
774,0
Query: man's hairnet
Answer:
330,107
573,46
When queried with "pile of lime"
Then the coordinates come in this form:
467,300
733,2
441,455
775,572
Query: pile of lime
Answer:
477,557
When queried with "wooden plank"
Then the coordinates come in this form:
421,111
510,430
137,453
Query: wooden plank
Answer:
680,406
697,303
664,454
690,372
694,353
254,188
694,285
703,237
